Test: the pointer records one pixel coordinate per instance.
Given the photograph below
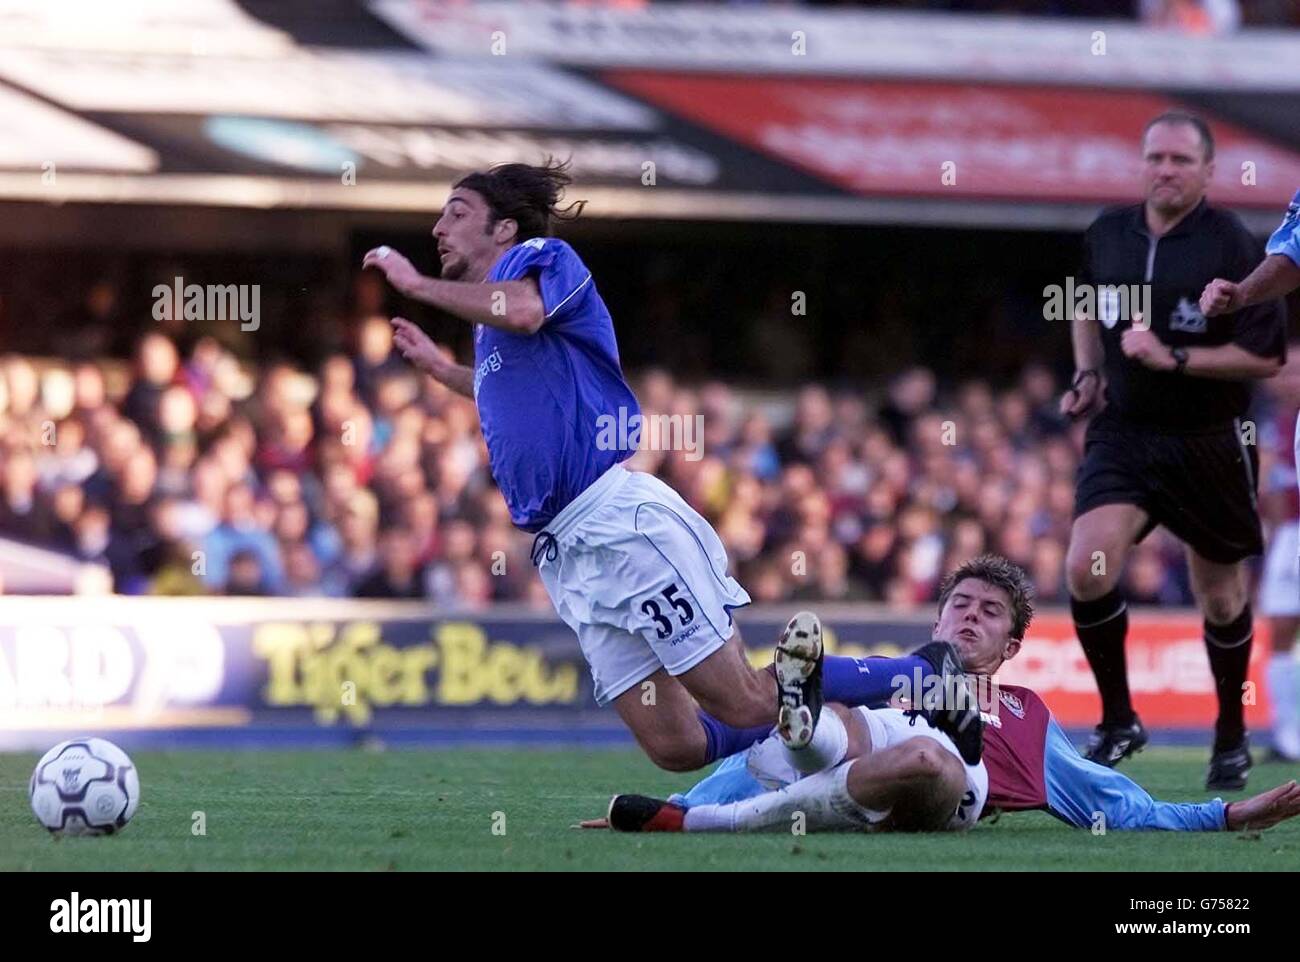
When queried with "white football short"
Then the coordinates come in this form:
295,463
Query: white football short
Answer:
640,577
893,726
888,727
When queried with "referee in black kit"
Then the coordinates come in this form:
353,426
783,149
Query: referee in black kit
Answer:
1165,446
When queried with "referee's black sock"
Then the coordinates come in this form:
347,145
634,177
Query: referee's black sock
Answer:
1102,625
1229,649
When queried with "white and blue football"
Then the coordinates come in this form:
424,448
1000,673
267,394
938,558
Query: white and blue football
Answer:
86,786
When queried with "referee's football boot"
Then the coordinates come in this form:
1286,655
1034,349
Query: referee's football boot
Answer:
640,813
958,713
1111,744
798,663
1230,768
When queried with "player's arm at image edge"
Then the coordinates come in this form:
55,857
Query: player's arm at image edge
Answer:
1258,346
1088,795
1276,276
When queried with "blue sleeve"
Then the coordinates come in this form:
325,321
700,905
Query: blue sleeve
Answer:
1078,789
729,782
1286,239
561,275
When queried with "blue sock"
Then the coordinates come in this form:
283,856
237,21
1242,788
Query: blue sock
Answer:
725,740
871,681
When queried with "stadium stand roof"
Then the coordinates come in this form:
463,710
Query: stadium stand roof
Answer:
686,112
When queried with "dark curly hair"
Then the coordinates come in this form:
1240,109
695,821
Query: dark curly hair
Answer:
526,194
1001,573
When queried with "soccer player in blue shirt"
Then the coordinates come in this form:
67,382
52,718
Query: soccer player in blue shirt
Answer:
1276,276
638,575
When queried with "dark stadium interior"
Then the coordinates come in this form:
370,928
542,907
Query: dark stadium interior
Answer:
696,298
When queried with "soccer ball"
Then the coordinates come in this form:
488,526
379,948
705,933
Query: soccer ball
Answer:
86,786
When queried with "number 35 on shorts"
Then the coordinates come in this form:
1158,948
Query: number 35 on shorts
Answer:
668,611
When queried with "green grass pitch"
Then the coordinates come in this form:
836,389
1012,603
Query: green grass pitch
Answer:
435,810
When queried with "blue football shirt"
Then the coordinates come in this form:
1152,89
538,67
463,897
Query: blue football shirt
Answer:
1286,239
546,399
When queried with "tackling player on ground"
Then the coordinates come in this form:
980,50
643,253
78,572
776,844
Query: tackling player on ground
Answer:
882,778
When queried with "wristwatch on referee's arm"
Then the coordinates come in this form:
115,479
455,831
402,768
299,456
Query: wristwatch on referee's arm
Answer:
1179,355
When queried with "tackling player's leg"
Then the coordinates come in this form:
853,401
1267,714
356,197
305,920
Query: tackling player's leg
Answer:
917,784
821,799
797,666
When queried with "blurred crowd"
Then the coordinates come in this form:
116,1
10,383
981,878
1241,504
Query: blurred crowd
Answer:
195,472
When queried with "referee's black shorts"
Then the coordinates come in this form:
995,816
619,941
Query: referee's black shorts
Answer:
1201,486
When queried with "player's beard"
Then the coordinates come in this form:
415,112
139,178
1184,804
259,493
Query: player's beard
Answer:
454,269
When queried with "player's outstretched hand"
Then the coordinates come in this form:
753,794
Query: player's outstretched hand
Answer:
418,348
400,272
1219,297
1265,810
601,822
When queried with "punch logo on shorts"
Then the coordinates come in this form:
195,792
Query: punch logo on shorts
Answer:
684,635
